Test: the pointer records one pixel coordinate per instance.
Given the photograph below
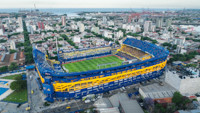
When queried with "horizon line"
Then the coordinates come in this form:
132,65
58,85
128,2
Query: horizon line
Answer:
98,8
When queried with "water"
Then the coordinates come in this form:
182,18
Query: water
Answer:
74,11
3,90
3,82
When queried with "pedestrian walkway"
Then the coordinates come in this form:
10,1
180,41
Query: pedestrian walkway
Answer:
7,86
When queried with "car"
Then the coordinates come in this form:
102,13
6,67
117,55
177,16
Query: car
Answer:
28,108
87,101
32,91
68,107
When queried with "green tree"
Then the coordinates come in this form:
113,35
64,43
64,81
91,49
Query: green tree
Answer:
13,66
19,84
180,101
2,40
12,51
27,46
3,69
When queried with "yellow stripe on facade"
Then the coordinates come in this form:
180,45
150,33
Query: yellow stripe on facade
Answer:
42,79
73,86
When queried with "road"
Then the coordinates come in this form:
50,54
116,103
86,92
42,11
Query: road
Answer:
36,99
74,107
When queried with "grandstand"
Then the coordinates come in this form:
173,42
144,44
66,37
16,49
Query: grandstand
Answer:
134,52
66,56
93,71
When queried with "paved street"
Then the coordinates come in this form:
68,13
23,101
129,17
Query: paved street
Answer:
36,99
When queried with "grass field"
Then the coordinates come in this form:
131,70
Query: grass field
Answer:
93,64
17,96
12,77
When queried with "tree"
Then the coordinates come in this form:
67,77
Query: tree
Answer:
177,98
13,66
12,51
2,40
149,103
27,48
3,69
18,84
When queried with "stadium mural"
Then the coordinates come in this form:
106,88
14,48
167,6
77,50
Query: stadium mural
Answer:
97,70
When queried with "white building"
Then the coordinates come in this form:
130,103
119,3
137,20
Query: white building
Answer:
137,28
148,26
1,31
12,44
159,22
186,85
30,29
104,20
179,41
169,22
76,39
74,27
119,34
20,22
19,29
81,27
111,23
107,34
95,29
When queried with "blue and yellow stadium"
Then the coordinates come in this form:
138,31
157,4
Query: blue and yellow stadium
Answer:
97,70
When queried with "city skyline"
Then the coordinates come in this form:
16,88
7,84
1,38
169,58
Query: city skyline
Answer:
100,4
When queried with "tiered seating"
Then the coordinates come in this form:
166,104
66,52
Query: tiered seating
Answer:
87,52
124,55
147,47
135,52
44,66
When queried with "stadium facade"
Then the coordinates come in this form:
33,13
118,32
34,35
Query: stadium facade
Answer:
59,84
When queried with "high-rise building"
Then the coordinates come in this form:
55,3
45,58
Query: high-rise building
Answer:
104,20
168,22
41,25
148,26
81,27
30,29
2,30
63,20
159,22
95,29
20,22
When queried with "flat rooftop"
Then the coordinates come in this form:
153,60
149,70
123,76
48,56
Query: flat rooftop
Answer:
157,91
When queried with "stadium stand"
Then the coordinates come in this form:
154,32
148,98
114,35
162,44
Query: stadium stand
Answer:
58,84
135,52
124,55
66,56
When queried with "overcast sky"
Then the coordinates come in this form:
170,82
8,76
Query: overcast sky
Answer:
100,3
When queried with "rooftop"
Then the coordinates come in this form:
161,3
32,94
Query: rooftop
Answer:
155,90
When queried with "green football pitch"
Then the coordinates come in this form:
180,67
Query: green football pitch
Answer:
93,64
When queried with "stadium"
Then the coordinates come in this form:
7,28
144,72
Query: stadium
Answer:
97,70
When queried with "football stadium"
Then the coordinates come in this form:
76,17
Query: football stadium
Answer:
97,70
